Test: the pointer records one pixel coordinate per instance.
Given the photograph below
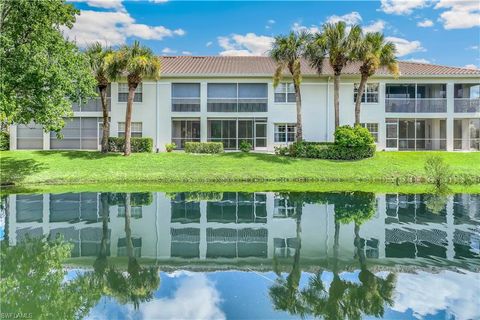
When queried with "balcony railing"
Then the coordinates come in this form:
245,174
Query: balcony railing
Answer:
237,105
424,105
467,105
186,104
93,105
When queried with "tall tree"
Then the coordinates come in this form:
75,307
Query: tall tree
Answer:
338,43
373,52
96,56
136,62
287,51
41,72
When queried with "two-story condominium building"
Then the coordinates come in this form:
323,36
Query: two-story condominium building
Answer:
231,99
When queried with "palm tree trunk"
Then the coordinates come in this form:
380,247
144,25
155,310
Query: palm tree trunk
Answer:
128,230
106,122
358,102
128,119
298,100
336,246
358,247
336,98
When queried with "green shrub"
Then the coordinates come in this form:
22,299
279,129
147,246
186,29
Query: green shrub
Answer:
4,140
203,147
357,136
117,144
326,150
281,150
437,170
170,147
245,146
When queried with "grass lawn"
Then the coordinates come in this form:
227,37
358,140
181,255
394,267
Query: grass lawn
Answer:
30,168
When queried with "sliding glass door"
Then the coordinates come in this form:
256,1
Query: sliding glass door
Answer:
185,130
416,134
231,132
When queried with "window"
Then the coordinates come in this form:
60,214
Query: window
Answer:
373,128
233,97
370,93
285,132
136,129
285,92
186,97
123,93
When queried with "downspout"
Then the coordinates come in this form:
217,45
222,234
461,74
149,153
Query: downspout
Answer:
328,108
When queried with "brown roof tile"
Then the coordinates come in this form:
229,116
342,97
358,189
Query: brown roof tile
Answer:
263,66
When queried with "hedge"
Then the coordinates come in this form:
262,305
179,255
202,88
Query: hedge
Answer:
330,151
203,147
4,140
138,144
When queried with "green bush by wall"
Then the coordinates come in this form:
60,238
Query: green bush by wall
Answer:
351,143
4,140
203,147
138,144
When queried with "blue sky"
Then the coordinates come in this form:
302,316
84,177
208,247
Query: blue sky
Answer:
245,295
443,32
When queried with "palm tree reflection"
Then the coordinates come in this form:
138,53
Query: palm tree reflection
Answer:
342,299
138,284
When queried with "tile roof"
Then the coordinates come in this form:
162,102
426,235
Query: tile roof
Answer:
262,66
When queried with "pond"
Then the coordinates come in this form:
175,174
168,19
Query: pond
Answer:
236,255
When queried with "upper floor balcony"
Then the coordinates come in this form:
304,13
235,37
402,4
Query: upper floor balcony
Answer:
416,98
93,105
233,97
467,98
408,105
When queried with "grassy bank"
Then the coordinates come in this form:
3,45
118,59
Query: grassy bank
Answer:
240,187
30,168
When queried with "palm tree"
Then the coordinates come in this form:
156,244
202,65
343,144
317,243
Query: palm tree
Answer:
135,62
287,51
373,52
338,43
96,55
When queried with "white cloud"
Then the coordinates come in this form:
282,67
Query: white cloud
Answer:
425,23
460,14
349,18
187,53
249,44
400,7
271,21
105,4
428,294
471,66
208,44
114,28
419,60
168,51
405,47
195,298
158,1
376,26
297,27
473,48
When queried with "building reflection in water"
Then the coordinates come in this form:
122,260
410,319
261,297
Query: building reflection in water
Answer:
259,226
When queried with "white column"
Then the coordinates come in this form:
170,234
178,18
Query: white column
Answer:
450,115
46,140
202,246
203,112
13,137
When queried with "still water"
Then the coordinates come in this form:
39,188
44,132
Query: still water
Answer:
264,255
